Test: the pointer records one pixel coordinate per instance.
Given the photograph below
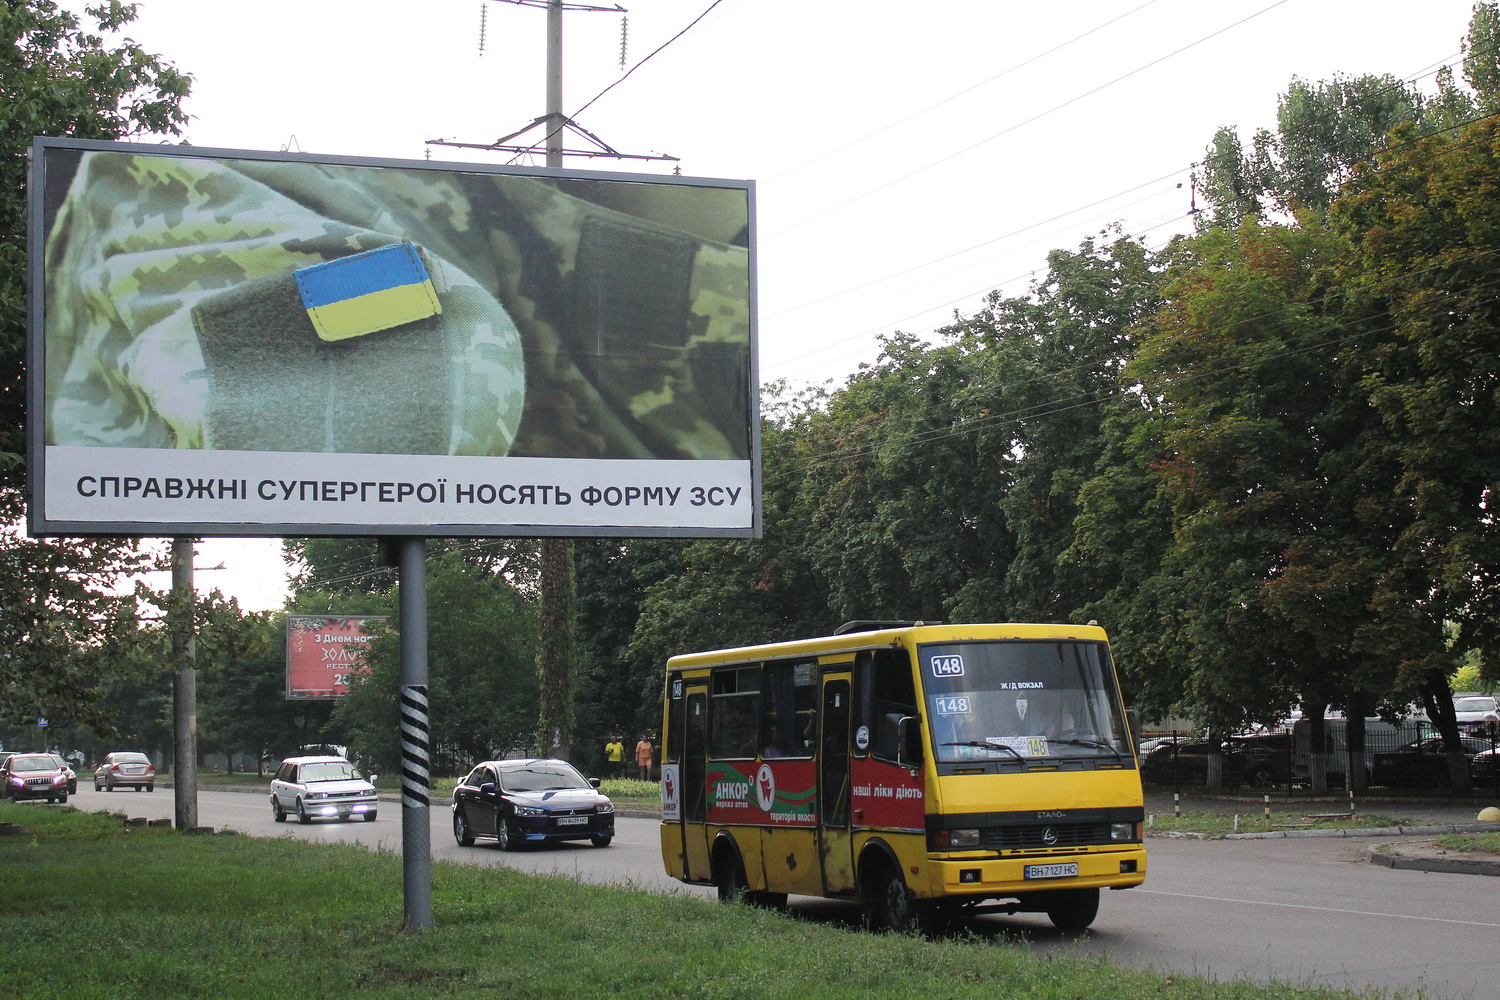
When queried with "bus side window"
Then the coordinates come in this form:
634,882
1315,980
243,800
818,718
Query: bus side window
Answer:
790,699
891,695
734,710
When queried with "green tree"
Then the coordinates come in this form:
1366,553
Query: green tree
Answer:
65,630
619,690
1424,230
557,648
482,680
1051,362
1272,461
1324,130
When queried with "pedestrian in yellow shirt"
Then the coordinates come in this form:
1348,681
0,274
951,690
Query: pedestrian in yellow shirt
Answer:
614,756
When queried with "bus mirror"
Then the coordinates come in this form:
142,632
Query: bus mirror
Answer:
1133,723
910,737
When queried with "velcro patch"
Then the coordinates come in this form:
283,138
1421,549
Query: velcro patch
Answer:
367,292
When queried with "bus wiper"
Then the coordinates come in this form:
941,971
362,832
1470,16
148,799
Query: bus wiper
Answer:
988,746
1090,743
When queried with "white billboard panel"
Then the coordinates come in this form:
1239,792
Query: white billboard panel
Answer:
237,343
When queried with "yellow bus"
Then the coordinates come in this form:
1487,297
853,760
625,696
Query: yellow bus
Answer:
925,770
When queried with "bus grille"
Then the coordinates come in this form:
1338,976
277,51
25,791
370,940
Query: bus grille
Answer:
1012,838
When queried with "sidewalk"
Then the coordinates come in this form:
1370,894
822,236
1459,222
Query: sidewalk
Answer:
1408,845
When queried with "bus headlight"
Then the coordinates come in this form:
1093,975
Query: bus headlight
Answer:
1123,831
946,840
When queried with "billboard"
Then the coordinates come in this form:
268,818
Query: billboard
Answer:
244,343
322,651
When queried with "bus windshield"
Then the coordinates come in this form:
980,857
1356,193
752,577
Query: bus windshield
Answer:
1020,699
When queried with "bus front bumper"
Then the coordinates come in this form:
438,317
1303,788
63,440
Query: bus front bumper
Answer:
1013,875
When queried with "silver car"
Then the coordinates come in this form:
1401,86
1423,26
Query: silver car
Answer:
316,787
125,769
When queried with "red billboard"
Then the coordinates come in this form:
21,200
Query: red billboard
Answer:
245,343
322,651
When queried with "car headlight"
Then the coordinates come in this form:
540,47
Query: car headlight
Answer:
530,811
317,795
605,807
1122,831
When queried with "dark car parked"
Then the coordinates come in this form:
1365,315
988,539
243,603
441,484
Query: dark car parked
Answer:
1420,762
1257,761
530,801
33,776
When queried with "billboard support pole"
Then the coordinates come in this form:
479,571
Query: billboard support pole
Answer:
416,830
184,690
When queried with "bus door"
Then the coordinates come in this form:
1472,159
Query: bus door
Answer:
695,783
835,843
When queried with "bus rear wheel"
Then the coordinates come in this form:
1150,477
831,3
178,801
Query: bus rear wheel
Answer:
729,878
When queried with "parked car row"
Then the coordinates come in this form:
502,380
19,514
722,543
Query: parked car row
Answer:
1269,759
1258,761
1421,763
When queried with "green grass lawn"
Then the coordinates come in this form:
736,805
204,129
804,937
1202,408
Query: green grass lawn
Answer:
1220,824
1477,844
95,910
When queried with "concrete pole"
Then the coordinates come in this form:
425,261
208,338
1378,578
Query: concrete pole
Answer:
554,84
185,689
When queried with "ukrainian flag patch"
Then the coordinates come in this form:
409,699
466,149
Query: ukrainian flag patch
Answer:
367,292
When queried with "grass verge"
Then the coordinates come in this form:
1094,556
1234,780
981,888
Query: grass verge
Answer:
167,915
1478,844
1208,824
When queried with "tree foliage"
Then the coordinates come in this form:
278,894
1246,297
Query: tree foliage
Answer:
69,634
482,679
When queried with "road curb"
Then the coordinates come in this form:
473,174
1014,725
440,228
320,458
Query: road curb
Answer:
1429,863
1369,831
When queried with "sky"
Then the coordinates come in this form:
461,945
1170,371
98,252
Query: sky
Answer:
908,159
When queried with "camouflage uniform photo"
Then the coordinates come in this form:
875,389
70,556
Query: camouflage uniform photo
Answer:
259,305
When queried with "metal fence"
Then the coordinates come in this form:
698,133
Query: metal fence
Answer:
1408,756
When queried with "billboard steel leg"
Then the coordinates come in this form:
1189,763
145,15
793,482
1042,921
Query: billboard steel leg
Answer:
416,782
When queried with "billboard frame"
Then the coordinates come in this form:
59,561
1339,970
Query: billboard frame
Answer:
624,475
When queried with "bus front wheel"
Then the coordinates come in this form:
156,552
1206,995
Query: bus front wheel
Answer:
1073,909
889,904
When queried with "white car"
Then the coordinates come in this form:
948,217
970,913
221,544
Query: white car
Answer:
315,787
1476,711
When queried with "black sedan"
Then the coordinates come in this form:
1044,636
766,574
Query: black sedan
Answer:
1420,763
530,801
1256,761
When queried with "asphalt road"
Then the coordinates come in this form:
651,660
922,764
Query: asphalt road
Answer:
1306,911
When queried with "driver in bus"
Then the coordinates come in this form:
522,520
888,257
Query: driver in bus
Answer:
1041,714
